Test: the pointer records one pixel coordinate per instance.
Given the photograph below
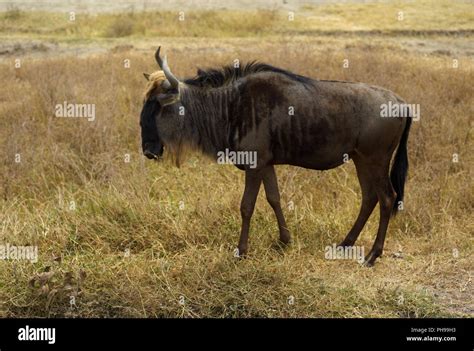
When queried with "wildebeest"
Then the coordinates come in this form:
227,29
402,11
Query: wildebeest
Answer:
284,118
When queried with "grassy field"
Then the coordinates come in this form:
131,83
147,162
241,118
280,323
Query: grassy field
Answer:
122,236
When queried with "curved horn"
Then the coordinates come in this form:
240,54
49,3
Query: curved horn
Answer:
169,75
158,58
163,63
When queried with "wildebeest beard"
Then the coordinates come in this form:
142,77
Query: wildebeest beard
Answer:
151,143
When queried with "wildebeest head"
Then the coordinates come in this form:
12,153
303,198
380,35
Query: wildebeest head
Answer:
162,90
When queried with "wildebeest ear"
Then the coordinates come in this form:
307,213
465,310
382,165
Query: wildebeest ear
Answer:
167,98
147,76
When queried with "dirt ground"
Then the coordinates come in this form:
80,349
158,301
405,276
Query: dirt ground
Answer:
37,49
92,6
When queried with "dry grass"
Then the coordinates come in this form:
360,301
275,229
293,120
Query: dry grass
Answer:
180,226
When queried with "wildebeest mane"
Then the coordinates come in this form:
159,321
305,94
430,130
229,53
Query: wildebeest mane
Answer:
215,78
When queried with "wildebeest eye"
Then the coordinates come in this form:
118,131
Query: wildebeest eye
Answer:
167,98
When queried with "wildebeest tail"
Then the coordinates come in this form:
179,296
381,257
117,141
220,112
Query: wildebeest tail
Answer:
399,170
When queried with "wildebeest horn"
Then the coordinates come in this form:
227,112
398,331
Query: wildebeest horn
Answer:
164,66
158,58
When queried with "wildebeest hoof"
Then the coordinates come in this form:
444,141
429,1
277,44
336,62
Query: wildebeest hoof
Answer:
368,263
285,239
240,253
280,246
370,259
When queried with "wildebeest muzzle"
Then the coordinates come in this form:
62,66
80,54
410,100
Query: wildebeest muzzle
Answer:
152,145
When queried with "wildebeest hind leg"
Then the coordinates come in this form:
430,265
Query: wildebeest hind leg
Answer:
386,196
273,197
369,200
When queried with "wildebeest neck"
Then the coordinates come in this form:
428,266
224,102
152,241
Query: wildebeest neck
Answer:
208,116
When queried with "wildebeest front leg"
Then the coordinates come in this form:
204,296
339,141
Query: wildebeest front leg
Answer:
273,197
253,179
